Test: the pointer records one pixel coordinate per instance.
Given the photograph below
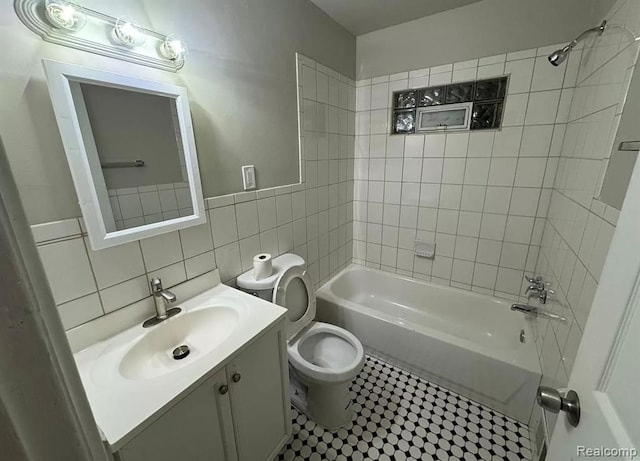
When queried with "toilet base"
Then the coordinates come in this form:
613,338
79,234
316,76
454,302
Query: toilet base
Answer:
327,404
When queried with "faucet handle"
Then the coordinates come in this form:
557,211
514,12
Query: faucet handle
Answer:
533,287
156,284
531,279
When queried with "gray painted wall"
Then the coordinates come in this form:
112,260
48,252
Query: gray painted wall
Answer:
240,75
485,28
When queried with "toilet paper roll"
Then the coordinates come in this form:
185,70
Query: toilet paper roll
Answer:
262,266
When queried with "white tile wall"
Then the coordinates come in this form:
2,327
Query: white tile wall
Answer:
137,206
481,196
579,228
312,219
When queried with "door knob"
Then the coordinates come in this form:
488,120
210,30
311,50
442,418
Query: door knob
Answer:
550,399
236,377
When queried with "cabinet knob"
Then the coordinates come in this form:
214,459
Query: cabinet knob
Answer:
223,389
236,377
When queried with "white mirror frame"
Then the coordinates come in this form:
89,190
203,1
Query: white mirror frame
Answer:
86,170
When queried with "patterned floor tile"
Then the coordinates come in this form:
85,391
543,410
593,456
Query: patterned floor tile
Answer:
399,416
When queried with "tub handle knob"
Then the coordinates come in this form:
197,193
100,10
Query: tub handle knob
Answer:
531,279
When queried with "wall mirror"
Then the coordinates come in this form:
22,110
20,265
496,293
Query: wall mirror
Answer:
131,151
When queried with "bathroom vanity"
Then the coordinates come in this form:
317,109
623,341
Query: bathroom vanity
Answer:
226,400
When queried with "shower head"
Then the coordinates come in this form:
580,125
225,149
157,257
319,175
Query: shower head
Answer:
560,55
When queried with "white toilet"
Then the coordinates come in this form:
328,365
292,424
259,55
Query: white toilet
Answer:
323,358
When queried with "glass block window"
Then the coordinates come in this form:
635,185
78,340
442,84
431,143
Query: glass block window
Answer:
487,97
405,100
462,92
404,122
432,96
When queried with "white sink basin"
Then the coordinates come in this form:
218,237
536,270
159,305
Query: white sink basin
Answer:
201,331
132,375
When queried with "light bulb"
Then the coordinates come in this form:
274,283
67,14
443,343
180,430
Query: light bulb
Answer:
173,48
65,14
129,33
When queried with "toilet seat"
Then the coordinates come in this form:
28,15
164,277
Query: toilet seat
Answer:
326,353
294,291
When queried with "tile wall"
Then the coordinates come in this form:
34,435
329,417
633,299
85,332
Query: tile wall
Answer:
312,219
137,206
481,196
579,228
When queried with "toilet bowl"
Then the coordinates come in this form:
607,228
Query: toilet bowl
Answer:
326,359
323,358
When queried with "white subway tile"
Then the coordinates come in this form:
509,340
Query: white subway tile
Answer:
223,225
453,170
432,170
462,271
530,172
521,74
515,109
68,271
546,77
125,293
200,264
542,108
477,171
473,198
161,251
380,96
484,276
79,311
55,230
456,145
502,171
117,264
507,142
247,217
480,144
196,240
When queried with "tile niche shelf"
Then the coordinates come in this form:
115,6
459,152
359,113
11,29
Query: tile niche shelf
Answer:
475,105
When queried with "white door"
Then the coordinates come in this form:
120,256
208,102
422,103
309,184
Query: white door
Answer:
606,374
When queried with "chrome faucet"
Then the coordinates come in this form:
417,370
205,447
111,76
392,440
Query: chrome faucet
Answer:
537,287
536,312
162,299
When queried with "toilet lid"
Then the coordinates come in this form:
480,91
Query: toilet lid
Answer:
294,292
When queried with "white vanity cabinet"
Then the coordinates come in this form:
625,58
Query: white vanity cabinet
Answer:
240,413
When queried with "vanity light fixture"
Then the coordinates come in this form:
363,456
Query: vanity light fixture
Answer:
173,48
65,14
68,23
129,33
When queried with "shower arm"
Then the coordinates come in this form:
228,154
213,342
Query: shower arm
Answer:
599,29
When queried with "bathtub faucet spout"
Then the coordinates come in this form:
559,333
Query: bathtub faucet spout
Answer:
534,311
524,308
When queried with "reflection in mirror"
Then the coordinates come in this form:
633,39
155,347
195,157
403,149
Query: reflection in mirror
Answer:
131,152
624,153
137,139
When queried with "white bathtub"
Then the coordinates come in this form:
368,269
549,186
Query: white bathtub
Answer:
467,342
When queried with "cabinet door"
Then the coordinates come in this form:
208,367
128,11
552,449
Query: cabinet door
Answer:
259,382
194,429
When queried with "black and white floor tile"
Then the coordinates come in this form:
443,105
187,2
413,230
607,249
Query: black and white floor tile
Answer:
399,416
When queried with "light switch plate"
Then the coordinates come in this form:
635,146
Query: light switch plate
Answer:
249,177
